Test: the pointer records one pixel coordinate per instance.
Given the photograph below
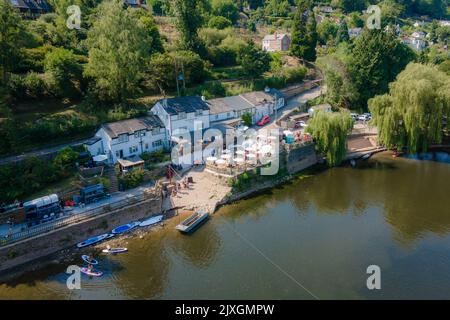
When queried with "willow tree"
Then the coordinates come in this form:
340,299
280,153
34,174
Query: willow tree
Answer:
330,130
412,113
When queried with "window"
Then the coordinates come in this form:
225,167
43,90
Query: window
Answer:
133,149
228,114
157,143
122,138
146,146
155,131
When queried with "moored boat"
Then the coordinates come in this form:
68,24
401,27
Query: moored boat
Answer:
124,228
192,222
94,240
151,221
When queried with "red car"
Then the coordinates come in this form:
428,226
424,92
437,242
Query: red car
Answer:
263,121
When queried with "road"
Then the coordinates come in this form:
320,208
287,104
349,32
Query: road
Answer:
40,152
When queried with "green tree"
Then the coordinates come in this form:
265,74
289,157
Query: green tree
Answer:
247,119
188,21
65,159
148,22
329,131
342,33
225,8
352,5
118,46
327,31
62,67
254,61
377,58
412,113
219,22
304,33
11,28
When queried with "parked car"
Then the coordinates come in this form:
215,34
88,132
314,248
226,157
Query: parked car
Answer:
300,124
263,121
363,117
354,116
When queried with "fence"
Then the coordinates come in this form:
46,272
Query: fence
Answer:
74,218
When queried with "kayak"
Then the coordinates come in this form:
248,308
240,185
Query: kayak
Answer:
95,239
151,221
114,250
124,228
85,258
92,273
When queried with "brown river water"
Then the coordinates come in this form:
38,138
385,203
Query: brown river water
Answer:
312,238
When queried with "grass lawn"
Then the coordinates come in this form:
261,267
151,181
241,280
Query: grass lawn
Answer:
64,184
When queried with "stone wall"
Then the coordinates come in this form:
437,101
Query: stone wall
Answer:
300,158
28,250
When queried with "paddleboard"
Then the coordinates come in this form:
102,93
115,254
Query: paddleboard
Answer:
92,273
115,250
124,228
95,239
85,258
152,220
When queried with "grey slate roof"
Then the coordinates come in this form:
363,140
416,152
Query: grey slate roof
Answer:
183,104
257,97
233,103
114,129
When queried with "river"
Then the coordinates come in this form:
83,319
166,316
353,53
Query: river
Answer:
310,239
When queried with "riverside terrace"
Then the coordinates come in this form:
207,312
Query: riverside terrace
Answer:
264,151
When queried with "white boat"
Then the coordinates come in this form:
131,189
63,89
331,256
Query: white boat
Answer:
151,221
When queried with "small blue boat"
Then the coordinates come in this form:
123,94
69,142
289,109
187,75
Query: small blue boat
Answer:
94,240
151,221
191,223
124,228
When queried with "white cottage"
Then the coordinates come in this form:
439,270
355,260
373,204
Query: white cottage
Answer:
182,114
128,138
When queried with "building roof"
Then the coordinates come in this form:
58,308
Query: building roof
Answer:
233,103
131,161
183,104
276,36
114,129
257,97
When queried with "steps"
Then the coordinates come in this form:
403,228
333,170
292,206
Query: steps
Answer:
110,174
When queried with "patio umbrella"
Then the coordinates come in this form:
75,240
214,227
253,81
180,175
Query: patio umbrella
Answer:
100,158
220,162
226,156
240,152
211,159
238,160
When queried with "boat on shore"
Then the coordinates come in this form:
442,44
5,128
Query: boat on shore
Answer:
191,223
151,221
114,250
94,240
124,228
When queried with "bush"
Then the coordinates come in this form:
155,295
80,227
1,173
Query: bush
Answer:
294,74
157,156
211,90
132,179
219,22
247,119
65,159
35,86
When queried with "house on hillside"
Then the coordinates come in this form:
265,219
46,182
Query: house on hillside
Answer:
325,9
128,139
135,3
276,42
326,107
182,114
354,32
31,9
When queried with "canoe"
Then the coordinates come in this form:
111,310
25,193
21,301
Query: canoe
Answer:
151,221
124,228
191,223
115,250
92,273
95,239
85,258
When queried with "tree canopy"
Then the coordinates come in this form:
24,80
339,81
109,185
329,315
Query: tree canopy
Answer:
412,113
253,60
329,131
118,44
304,33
